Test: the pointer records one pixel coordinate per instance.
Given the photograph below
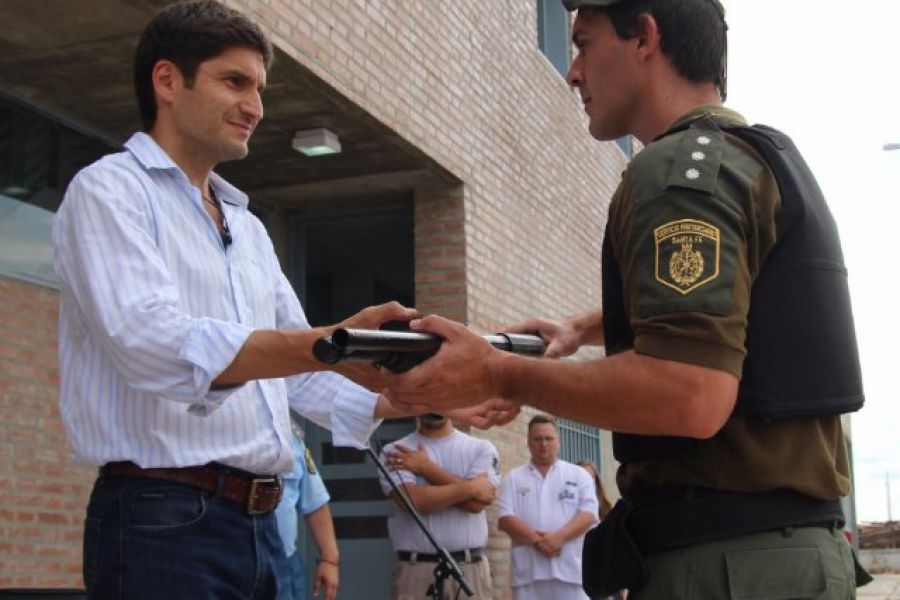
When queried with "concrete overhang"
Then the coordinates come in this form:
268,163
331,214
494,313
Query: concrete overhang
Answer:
73,59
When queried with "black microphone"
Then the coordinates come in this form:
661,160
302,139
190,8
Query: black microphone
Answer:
226,232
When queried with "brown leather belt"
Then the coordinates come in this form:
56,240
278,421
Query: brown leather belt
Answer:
259,495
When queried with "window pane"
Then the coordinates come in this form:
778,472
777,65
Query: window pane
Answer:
553,33
38,158
579,442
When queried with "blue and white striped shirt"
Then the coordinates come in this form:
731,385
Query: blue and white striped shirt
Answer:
153,307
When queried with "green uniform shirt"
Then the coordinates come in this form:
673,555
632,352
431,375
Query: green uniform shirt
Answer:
690,226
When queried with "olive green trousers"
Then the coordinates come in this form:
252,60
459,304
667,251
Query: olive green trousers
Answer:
785,564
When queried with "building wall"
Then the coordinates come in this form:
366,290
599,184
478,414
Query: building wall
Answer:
465,82
42,495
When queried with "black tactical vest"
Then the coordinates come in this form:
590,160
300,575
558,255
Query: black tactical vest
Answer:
802,358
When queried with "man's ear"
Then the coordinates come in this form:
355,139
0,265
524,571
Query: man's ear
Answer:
647,34
167,80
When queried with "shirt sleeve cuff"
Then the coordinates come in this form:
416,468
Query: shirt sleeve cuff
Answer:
352,421
210,347
698,352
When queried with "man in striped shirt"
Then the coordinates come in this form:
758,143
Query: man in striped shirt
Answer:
181,341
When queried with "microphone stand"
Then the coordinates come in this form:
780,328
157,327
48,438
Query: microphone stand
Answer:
446,566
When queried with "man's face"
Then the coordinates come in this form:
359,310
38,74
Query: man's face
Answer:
604,72
217,115
543,443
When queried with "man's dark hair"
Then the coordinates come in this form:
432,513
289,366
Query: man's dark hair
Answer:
540,420
188,33
692,34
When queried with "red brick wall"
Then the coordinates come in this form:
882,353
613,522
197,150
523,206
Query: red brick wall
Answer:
42,496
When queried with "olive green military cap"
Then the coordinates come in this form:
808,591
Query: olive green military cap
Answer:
576,4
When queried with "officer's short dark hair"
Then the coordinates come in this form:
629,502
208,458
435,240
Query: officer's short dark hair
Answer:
540,420
188,33
692,33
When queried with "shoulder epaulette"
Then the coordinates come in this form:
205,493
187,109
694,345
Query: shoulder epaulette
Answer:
699,154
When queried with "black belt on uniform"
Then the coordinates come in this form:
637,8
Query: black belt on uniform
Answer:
259,494
683,517
471,555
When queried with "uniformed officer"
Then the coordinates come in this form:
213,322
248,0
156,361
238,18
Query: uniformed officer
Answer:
305,495
726,319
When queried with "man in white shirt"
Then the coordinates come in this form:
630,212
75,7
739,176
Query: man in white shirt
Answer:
546,506
450,477
181,341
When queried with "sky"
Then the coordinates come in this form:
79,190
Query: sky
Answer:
828,75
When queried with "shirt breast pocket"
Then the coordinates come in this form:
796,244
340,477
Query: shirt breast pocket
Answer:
254,291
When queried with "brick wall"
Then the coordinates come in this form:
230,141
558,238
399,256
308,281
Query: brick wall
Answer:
42,496
466,83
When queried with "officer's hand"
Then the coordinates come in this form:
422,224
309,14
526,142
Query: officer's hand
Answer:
560,336
458,376
327,580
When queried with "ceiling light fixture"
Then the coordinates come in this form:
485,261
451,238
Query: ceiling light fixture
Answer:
316,142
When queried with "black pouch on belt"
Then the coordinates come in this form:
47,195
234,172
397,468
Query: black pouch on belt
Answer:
611,561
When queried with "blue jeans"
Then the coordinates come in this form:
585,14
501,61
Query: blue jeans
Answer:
153,539
292,578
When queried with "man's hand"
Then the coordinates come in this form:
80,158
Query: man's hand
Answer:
560,336
327,580
458,376
550,544
372,317
404,458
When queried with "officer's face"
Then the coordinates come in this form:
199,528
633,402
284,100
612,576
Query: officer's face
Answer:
543,443
604,72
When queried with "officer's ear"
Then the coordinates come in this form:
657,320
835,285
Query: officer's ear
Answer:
646,32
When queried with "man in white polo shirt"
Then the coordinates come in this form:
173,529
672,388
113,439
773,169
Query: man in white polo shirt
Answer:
546,506
450,477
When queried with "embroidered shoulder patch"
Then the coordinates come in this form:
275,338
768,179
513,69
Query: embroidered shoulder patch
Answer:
687,254
310,463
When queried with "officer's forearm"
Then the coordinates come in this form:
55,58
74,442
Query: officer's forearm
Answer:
322,528
628,392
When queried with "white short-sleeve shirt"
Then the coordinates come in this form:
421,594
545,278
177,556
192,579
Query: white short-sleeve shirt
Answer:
546,504
455,529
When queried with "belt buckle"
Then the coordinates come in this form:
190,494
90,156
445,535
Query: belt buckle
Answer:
254,485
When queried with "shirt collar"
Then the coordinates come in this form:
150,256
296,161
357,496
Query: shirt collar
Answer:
716,111
534,468
151,156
